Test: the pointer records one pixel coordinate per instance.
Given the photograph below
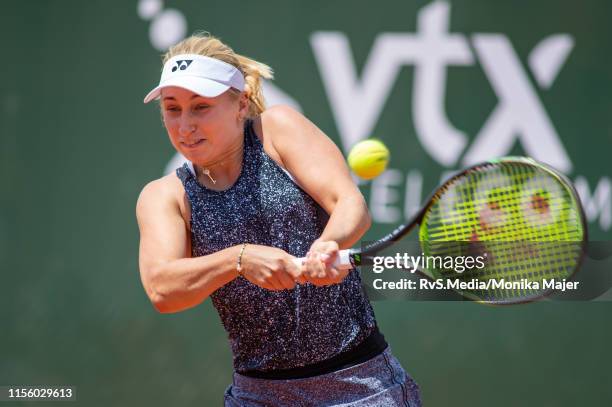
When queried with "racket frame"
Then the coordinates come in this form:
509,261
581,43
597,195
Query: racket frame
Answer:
356,256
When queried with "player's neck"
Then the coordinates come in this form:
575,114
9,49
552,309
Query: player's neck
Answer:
223,172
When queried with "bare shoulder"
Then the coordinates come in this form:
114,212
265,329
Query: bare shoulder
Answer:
287,129
280,112
161,189
165,192
280,118
278,126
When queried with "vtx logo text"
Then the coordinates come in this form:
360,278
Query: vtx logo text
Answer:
357,103
519,114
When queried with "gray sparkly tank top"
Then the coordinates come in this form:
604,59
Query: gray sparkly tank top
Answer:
271,330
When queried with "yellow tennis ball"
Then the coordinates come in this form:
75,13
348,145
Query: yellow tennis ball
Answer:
369,158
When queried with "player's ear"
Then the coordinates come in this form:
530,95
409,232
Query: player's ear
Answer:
243,106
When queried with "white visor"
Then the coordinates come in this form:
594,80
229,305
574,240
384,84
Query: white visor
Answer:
205,76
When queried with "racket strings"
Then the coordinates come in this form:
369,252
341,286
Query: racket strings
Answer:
523,217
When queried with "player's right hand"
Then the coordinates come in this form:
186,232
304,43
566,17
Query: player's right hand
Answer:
270,268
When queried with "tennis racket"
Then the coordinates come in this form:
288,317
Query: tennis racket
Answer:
523,216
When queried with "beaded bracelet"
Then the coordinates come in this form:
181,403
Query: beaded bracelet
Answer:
239,264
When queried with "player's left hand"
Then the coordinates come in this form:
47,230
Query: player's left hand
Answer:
317,267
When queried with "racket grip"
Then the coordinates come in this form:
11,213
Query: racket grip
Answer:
341,262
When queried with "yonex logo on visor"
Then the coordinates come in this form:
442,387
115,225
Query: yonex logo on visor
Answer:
181,64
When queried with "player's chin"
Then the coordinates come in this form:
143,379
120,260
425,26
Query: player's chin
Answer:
195,154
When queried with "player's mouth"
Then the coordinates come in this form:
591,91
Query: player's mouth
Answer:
194,144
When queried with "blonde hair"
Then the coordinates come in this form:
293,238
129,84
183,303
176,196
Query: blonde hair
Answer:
202,43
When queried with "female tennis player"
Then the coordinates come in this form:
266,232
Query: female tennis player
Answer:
262,187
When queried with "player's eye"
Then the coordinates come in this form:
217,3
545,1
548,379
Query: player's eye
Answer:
201,107
173,109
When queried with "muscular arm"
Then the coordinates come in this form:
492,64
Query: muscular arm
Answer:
319,168
174,281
